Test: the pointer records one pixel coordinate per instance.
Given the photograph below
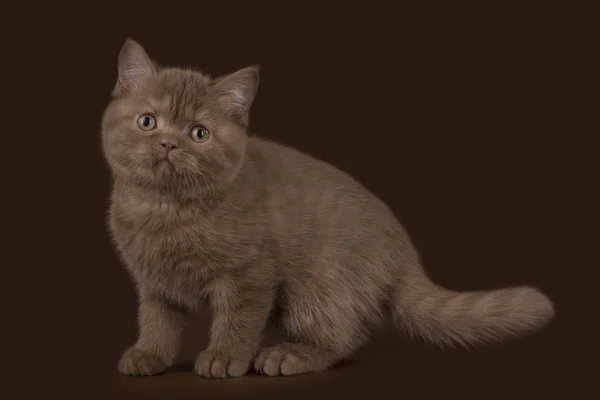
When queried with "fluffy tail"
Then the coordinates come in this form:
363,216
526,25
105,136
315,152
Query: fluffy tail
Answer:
448,318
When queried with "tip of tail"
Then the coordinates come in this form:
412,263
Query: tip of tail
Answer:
538,305
467,320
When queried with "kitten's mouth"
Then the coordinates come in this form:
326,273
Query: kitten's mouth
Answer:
164,161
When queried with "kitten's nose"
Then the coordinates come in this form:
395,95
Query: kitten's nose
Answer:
168,145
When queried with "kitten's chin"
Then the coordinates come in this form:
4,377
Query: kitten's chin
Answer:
163,168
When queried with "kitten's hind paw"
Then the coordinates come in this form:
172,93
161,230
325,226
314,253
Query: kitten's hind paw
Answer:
292,359
212,364
138,362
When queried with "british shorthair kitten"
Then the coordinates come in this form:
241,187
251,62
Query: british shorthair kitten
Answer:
202,213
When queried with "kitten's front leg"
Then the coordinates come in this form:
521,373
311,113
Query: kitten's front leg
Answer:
240,315
160,327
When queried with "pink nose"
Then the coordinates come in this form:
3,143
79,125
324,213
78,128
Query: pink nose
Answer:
168,146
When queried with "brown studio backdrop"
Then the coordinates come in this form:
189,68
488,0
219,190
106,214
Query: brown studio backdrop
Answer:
449,118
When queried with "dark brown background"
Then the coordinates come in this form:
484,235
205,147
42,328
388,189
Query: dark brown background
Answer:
460,118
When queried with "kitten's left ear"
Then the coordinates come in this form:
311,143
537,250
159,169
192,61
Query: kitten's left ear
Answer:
236,91
134,66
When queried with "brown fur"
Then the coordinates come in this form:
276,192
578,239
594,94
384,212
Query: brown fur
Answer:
247,225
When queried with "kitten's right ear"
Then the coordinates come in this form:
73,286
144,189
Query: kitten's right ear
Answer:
134,67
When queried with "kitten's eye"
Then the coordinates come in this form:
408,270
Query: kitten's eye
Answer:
146,122
199,134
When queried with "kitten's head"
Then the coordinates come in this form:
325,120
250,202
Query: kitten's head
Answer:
176,129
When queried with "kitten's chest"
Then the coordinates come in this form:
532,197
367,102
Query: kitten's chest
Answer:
157,230
166,249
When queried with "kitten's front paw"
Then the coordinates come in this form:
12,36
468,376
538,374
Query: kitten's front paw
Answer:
213,364
138,362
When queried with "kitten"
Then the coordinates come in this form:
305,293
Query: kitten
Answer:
201,212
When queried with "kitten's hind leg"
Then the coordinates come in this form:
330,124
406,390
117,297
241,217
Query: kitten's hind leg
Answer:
293,358
322,328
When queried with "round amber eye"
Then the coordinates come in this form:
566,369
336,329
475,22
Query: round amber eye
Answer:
199,134
146,122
